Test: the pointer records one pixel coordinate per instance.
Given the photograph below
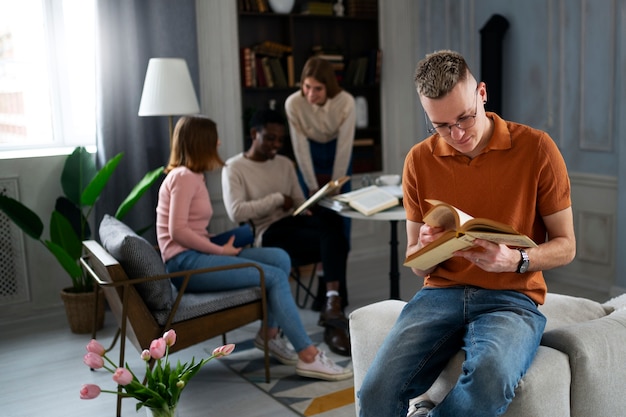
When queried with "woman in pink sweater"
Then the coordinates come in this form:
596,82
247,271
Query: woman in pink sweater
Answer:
184,211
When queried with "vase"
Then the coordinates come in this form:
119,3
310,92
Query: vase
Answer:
161,412
281,6
80,309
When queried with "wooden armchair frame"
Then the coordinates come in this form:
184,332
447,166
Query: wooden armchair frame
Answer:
137,323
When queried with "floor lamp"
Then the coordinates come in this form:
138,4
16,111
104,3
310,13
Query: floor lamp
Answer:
168,90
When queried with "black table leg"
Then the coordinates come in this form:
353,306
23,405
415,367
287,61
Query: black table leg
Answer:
394,271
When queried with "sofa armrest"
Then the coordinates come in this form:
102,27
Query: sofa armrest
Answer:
596,351
369,326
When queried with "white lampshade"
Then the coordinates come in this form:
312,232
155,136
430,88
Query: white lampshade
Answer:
167,89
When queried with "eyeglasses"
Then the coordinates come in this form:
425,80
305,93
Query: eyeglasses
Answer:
463,123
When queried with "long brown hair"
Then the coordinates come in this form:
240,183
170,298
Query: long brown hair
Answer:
194,145
322,71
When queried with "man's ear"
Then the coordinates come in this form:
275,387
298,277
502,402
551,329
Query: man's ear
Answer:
253,132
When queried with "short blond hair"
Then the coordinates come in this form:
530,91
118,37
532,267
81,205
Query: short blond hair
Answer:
438,73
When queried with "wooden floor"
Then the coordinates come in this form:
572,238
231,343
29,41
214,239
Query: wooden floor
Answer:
42,370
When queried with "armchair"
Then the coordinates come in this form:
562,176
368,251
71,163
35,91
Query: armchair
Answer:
145,304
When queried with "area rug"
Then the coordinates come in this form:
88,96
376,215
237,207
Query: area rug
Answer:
305,396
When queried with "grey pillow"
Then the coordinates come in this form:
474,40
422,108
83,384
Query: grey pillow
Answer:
139,259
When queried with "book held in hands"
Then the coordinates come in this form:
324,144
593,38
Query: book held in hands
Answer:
327,189
460,231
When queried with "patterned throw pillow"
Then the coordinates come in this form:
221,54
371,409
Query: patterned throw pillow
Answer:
139,259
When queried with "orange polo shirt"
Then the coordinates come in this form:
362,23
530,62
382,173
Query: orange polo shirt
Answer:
518,178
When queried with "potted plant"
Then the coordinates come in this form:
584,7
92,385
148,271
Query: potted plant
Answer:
82,184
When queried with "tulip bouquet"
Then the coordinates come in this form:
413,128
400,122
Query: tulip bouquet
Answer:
163,385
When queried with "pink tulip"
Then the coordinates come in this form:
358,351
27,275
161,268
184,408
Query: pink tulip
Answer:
145,355
170,337
95,347
122,376
89,391
157,348
223,350
93,360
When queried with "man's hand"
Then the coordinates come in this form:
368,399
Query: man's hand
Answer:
425,235
490,256
287,202
428,234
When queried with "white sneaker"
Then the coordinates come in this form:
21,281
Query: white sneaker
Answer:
323,368
279,349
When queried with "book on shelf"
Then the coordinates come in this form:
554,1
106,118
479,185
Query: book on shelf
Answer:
329,188
317,8
267,72
460,231
278,73
369,200
256,6
259,73
248,74
362,8
271,48
291,72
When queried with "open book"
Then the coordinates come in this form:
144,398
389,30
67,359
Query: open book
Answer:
461,230
369,200
327,189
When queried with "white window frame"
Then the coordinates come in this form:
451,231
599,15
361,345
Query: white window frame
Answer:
65,135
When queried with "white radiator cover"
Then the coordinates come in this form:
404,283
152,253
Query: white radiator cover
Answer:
13,276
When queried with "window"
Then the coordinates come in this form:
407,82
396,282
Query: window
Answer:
47,73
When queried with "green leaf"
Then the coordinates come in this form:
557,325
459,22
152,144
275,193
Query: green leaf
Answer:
22,216
136,193
70,265
78,171
62,233
94,188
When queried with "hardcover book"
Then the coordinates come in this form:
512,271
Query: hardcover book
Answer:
461,230
369,200
327,189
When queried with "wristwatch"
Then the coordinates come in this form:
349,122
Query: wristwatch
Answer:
523,263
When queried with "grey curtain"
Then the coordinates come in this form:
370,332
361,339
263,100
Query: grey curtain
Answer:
129,33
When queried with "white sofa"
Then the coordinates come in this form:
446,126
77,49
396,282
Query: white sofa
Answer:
579,370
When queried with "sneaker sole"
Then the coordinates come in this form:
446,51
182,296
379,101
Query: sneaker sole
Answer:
284,361
325,377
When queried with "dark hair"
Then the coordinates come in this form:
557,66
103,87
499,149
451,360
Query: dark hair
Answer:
262,117
194,145
322,71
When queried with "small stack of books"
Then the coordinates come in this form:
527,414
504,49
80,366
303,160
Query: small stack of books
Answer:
362,8
267,64
317,8
334,55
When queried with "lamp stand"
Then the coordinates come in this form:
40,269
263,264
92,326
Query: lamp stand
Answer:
171,129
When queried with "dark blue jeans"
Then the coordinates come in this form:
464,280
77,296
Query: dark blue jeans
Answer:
499,331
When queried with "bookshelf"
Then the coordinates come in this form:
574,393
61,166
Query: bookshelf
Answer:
354,37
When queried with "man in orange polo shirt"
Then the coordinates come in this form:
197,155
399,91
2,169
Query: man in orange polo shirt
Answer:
484,299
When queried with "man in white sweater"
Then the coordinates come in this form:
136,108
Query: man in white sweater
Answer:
261,186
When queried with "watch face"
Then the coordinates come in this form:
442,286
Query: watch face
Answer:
523,267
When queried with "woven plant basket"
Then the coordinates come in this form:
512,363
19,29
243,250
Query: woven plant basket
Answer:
79,309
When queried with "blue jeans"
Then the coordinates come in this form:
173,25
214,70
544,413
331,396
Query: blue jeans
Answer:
499,331
276,265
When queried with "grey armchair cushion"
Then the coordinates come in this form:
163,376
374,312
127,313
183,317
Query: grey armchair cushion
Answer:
139,259
561,310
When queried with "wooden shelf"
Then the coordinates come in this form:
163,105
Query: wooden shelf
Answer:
354,36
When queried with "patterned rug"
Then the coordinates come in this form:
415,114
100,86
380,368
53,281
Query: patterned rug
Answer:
305,396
